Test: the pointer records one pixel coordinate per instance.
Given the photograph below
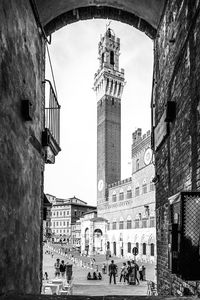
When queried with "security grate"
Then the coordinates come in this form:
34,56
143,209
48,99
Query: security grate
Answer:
190,240
184,235
192,219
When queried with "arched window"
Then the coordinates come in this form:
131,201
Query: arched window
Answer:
144,249
152,186
102,58
114,225
129,224
121,195
137,164
137,191
152,221
129,194
108,226
111,86
112,62
121,224
137,246
119,89
115,90
108,245
129,247
107,84
144,187
152,246
114,197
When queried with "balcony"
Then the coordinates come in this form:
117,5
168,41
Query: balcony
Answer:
51,133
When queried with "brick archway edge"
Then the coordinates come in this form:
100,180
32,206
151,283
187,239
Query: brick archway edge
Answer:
100,12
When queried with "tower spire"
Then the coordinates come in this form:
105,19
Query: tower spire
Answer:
108,85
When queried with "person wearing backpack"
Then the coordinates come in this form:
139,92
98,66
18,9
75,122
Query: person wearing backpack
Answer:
62,268
112,271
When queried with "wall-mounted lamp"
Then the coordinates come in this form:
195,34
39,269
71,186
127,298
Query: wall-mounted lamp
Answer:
156,179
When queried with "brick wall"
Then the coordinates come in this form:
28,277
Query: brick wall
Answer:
176,78
21,162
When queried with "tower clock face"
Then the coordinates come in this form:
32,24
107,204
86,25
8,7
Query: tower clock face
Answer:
148,156
100,185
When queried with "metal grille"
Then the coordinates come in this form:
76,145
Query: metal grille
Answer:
190,241
192,219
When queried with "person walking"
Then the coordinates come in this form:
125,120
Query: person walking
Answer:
62,268
141,272
123,272
112,271
135,269
104,269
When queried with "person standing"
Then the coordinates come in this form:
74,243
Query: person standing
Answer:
123,272
104,271
128,271
57,268
112,271
135,269
141,272
62,268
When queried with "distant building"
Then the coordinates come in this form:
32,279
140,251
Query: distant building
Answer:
76,235
64,214
130,206
46,218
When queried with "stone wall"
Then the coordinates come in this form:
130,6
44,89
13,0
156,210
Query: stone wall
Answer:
176,78
21,163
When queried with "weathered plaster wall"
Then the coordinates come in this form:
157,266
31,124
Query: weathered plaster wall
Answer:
176,78
21,163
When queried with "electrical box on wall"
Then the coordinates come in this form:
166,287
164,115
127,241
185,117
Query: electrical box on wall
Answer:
184,235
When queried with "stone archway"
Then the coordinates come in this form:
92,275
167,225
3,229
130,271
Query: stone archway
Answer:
176,73
98,240
142,14
87,236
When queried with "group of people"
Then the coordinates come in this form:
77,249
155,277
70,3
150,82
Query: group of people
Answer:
95,276
60,268
128,274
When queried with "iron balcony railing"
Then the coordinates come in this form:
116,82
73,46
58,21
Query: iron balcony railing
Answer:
52,113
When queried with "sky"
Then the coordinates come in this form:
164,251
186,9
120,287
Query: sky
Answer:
74,57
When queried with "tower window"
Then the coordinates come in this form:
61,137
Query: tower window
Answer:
121,196
112,58
144,248
119,89
129,194
144,188
102,58
129,224
137,191
114,198
113,101
129,247
107,84
121,225
137,164
152,249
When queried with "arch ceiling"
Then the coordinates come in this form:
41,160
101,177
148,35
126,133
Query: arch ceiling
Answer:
143,14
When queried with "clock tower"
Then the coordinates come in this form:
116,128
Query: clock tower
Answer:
108,85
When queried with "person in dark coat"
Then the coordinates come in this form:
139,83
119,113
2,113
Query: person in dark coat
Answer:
112,271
